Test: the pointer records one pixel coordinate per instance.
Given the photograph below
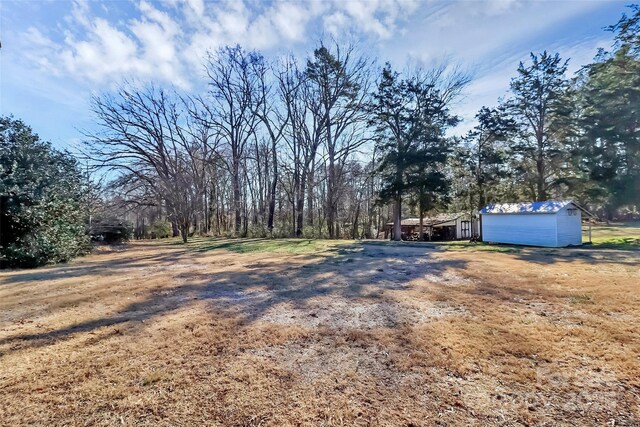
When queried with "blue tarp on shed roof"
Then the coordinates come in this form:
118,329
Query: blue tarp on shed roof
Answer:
548,207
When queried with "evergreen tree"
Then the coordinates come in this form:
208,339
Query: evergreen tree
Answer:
609,148
542,108
392,120
42,215
486,153
410,117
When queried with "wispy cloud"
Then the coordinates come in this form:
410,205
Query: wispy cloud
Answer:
492,37
56,54
167,41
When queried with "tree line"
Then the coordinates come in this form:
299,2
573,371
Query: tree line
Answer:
336,145
562,137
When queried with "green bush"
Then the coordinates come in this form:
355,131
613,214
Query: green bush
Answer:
51,247
160,229
42,215
257,231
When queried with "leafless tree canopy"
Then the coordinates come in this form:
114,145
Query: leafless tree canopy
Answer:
271,148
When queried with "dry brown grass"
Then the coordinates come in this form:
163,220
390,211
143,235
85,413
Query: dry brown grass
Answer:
349,334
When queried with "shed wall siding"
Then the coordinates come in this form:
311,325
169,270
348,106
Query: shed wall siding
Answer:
569,227
523,229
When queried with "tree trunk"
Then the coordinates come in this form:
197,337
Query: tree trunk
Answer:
310,187
300,205
272,190
293,217
331,176
184,231
210,210
482,201
421,228
609,210
329,200
236,196
205,210
397,218
540,190
355,222
195,224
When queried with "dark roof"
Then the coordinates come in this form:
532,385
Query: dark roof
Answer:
547,207
432,220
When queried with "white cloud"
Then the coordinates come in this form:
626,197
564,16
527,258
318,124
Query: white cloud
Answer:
167,41
197,6
336,23
363,13
80,12
373,17
291,20
499,7
93,47
105,53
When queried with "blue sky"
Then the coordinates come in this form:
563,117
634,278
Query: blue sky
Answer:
56,54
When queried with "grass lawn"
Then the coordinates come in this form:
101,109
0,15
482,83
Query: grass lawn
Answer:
619,236
623,236
292,332
242,246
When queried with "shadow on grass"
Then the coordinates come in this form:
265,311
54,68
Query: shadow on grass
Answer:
258,245
622,250
623,243
345,270
592,254
85,268
350,271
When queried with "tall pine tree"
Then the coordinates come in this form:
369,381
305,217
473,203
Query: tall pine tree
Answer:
487,154
542,108
410,117
609,148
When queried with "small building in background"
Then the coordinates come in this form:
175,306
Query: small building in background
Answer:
445,226
551,223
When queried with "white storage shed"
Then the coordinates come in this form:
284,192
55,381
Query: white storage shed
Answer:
551,223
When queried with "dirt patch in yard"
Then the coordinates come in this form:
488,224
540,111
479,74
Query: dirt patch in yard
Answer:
344,333
330,312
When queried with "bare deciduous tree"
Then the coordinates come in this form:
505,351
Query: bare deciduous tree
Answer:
342,80
235,96
147,138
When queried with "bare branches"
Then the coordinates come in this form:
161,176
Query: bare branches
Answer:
270,145
152,142
237,92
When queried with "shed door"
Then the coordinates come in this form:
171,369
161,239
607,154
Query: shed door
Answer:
465,229
569,221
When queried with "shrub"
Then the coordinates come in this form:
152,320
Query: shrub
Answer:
160,229
42,215
257,230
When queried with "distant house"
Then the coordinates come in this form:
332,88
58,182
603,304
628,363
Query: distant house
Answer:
445,226
551,223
